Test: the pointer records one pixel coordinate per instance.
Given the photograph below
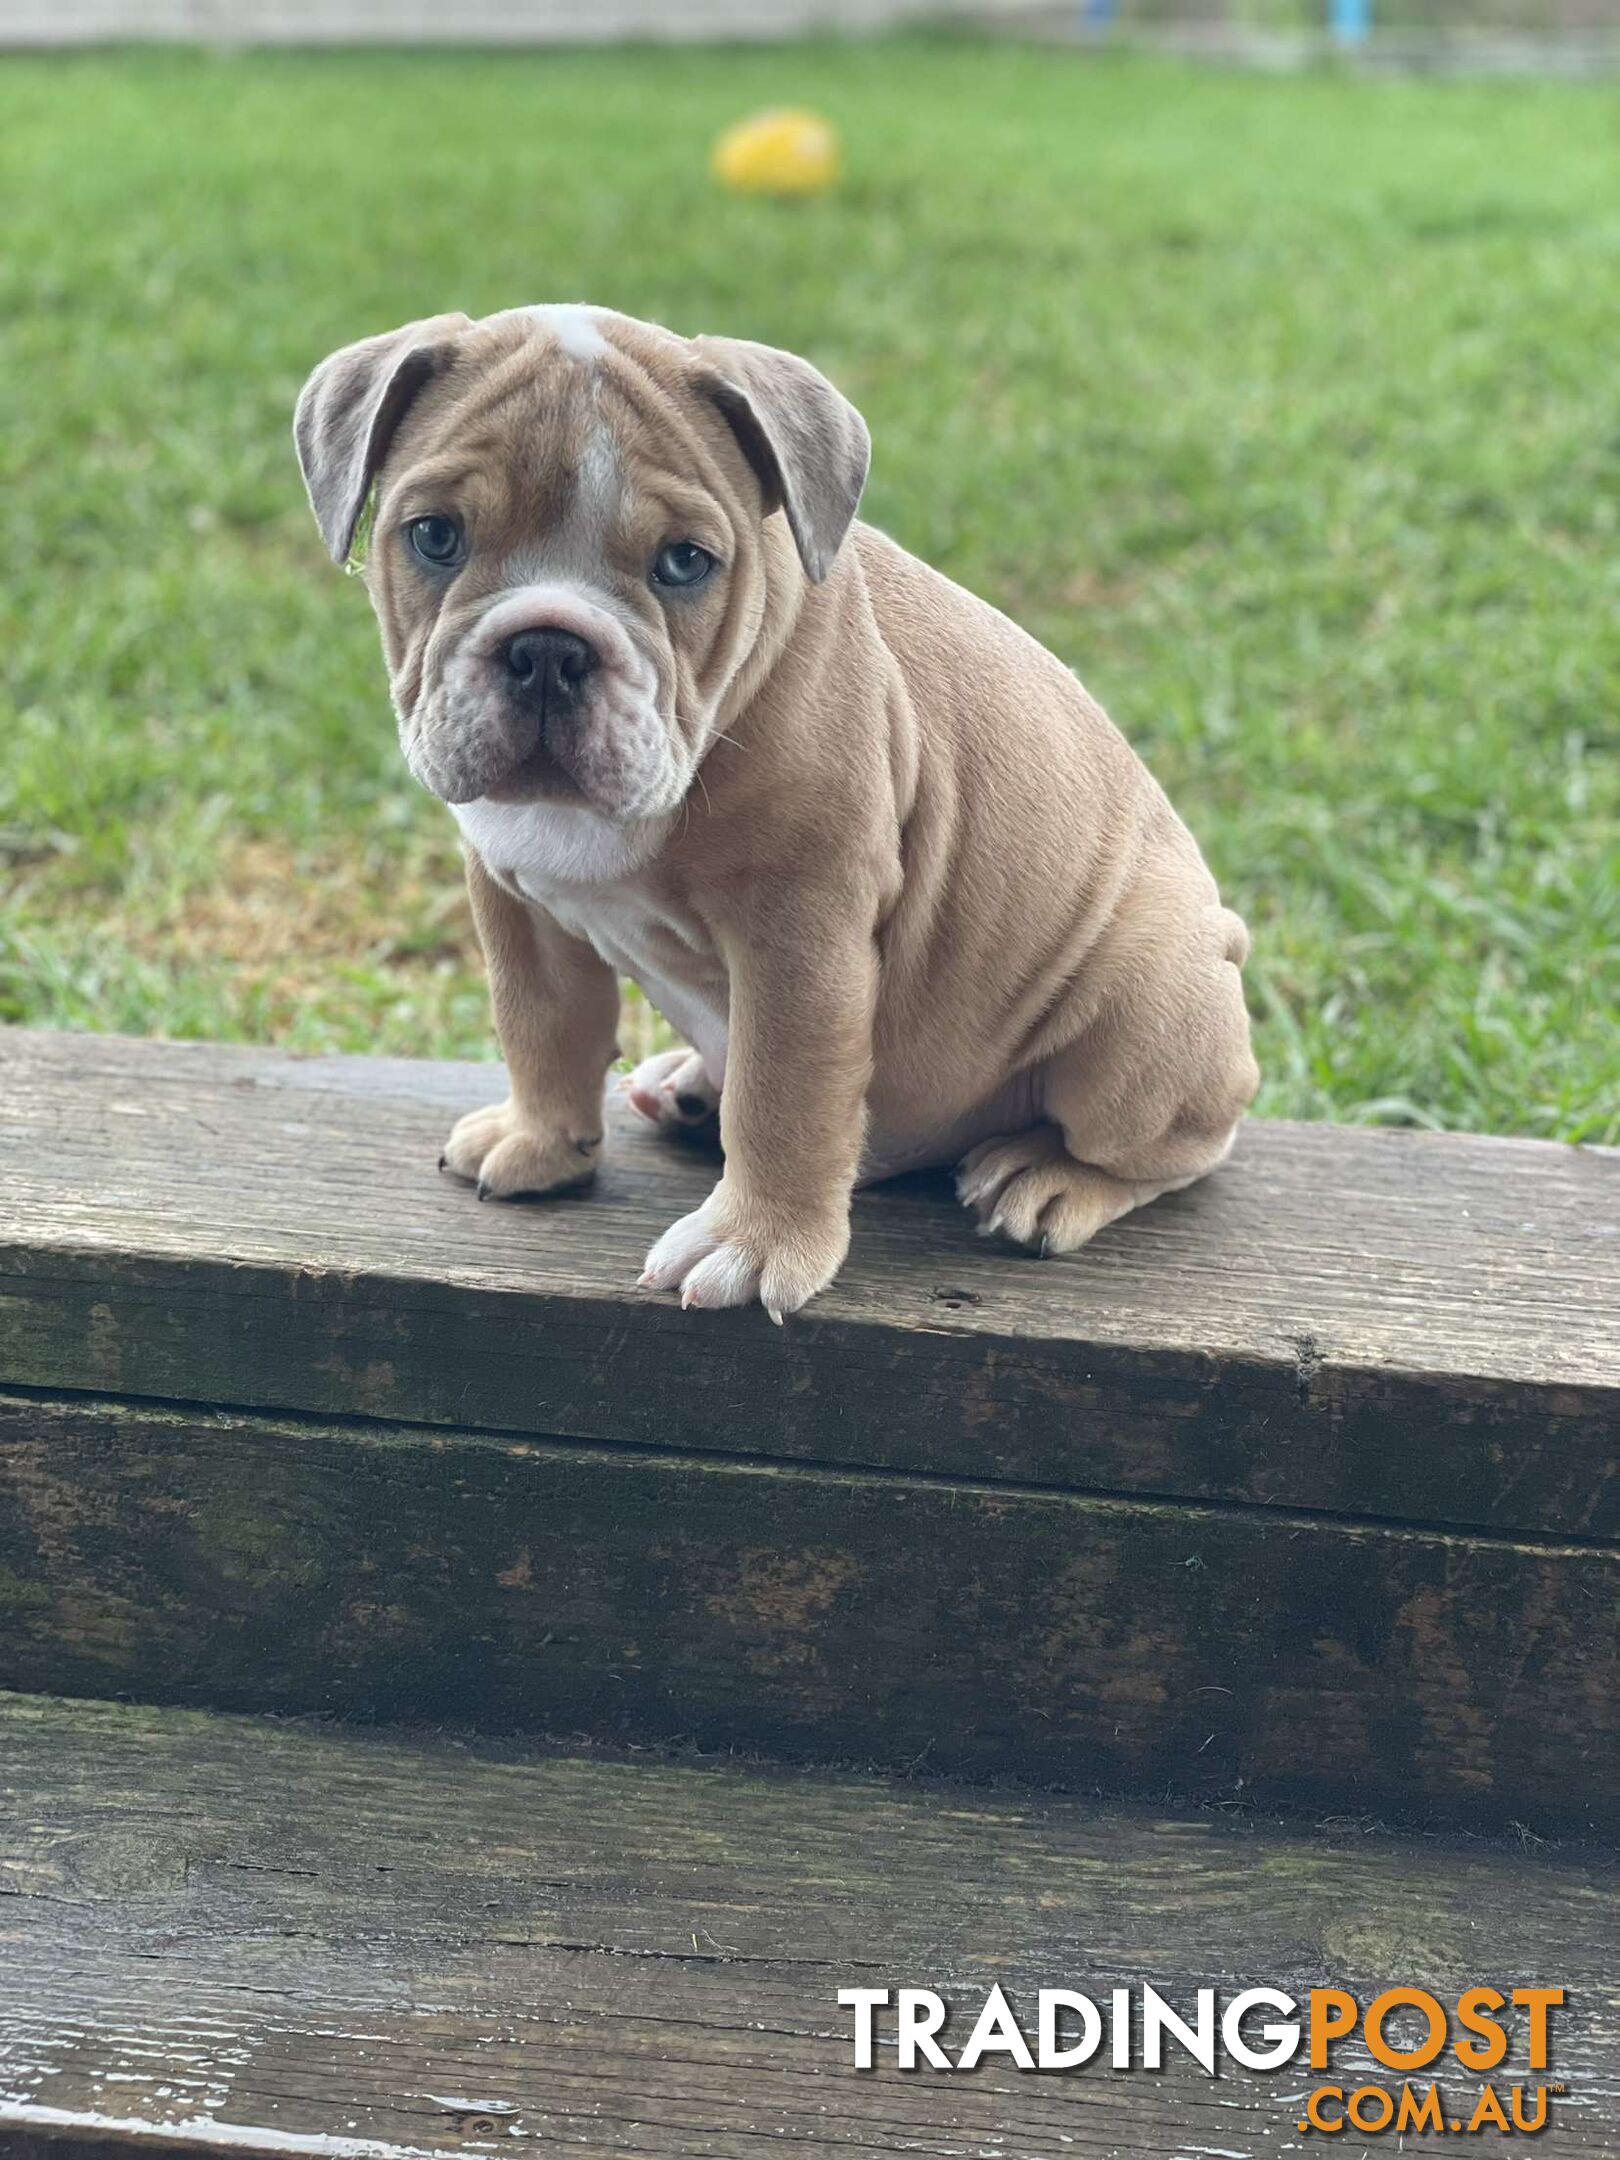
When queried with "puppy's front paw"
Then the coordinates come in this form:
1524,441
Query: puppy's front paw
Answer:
722,1254
504,1157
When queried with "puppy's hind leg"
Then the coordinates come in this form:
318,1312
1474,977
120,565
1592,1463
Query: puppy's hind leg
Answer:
1138,1106
1028,1188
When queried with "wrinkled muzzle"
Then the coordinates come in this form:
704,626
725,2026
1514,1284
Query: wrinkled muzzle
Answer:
545,694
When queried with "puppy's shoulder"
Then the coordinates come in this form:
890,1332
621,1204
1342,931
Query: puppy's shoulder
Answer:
937,629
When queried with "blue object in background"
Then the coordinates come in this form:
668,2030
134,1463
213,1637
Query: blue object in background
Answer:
1097,14
1352,19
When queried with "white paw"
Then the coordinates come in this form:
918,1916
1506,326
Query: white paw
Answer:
710,1267
504,1157
673,1091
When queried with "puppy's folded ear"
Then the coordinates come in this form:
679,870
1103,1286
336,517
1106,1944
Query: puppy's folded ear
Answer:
349,410
808,444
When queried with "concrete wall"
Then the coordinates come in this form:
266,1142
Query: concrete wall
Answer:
543,22
471,22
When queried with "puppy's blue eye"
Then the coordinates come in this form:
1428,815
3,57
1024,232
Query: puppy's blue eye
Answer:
435,539
683,562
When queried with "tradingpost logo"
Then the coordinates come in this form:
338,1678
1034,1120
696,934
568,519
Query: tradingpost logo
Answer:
1470,2062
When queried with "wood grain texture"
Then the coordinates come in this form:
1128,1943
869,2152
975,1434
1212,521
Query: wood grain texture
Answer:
386,1571
1397,1326
220,1935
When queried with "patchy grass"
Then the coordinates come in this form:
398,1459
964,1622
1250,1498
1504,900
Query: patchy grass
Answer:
1283,410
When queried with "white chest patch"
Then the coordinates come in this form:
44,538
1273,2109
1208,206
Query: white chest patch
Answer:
538,846
596,879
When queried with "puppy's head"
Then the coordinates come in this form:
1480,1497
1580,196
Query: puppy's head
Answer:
572,548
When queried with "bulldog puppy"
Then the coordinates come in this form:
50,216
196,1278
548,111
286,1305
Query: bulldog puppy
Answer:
905,890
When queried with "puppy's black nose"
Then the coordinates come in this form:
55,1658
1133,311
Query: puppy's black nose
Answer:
549,667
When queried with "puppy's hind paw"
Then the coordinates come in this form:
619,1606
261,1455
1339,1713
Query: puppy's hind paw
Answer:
673,1091
1028,1188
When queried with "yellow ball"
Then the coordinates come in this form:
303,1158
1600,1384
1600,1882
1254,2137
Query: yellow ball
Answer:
777,153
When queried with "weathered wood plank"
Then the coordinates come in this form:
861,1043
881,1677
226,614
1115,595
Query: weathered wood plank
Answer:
1416,1327
220,1935
258,1562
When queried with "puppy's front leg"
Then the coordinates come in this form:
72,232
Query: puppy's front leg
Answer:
799,1057
557,1013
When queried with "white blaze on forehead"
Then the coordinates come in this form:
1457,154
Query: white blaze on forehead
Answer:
596,503
575,328
598,494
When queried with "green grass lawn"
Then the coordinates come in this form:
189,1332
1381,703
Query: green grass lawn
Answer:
1285,410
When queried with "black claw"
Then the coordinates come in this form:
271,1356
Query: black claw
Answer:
444,1162
483,1190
